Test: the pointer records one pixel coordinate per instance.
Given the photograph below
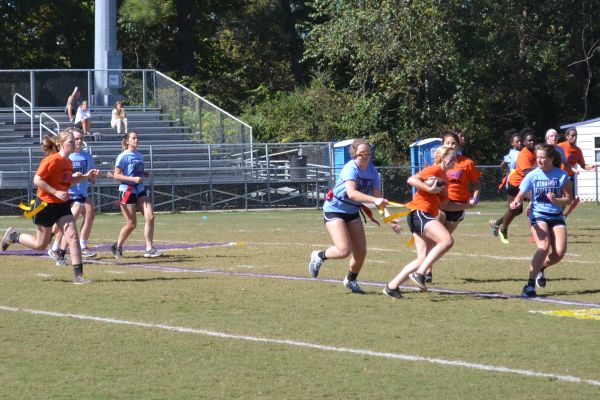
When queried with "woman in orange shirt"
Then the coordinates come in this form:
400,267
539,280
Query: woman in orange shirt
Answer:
574,157
53,178
526,161
432,239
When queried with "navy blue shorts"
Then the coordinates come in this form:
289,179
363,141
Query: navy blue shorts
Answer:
550,220
133,198
347,218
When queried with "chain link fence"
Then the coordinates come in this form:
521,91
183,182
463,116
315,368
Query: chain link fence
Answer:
219,177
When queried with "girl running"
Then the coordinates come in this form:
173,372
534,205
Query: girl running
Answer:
432,238
53,178
358,183
461,178
550,190
129,170
525,163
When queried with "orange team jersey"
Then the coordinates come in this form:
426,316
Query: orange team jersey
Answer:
459,178
57,172
574,156
428,202
525,161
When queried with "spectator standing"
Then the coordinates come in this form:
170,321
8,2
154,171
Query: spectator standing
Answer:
73,104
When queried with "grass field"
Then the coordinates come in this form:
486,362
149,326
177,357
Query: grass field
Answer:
230,312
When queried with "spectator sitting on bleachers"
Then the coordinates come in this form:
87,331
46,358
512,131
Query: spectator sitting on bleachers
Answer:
119,118
82,119
72,104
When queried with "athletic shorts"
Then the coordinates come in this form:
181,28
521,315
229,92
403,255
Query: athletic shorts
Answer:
512,190
573,188
550,220
133,198
347,218
77,199
51,213
417,220
454,216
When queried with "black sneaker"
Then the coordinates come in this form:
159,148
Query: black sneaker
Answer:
116,251
429,277
528,292
540,279
393,293
419,280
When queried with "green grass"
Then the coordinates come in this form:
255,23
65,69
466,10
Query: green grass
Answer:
57,357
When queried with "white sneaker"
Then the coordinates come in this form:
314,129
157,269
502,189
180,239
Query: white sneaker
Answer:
353,285
315,264
152,253
81,280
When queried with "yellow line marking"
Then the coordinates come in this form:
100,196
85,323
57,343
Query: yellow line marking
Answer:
593,314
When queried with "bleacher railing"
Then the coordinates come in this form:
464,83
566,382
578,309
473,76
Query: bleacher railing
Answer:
16,107
137,88
220,176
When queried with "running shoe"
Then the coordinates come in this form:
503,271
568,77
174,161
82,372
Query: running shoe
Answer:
6,240
419,280
152,253
429,277
81,280
315,264
540,279
52,254
116,251
353,285
503,237
528,292
494,227
393,293
86,252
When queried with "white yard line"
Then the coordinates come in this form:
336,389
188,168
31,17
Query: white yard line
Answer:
296,343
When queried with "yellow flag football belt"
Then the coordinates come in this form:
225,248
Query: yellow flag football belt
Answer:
30,211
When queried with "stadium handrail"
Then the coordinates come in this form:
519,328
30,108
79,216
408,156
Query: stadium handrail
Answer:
16,107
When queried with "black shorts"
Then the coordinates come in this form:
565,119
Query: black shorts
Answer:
573,189
133,198
417,220
51,213
454,216
511,190
347,218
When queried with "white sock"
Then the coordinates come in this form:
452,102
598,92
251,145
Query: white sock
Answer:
55,246
83,243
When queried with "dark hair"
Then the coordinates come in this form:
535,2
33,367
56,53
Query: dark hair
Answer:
451,134
551,153
527,131
569,130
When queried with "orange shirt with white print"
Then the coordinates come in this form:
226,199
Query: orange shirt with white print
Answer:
574,156
57,172
460,177
525,162
424,201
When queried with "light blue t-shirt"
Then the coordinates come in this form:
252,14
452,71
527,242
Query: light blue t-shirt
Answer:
82,162
366,180
132,164
511,159
540,183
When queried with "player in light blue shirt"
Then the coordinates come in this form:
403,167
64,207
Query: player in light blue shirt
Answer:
550,190
129,171
358,183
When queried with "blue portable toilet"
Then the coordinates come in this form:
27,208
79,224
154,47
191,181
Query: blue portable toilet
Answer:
422,153
341,155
